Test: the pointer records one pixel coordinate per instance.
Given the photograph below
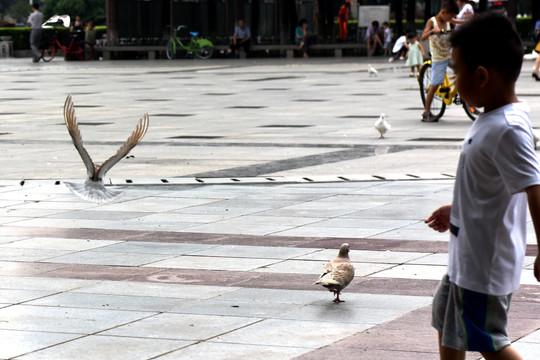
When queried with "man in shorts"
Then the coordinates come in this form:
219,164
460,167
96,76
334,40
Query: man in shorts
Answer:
498,174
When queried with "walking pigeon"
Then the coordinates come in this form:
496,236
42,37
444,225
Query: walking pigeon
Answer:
372,71
93,188
382,126
338,273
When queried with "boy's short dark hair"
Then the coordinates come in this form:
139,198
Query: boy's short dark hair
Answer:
375,23
490,40
450,6
302,22
35,6
386,23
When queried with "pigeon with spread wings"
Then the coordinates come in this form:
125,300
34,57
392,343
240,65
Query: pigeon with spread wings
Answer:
93,188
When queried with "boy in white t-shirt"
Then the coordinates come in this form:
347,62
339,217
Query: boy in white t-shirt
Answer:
498,173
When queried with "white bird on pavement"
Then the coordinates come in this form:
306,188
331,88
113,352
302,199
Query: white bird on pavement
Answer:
372,71
93,188
382,126
338,273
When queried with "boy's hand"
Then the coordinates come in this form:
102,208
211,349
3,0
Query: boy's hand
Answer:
440,219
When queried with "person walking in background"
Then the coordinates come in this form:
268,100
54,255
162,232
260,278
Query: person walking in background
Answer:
77,24
35,20
535,73
241,38
498,175
301,37
343,17
416,53
435,30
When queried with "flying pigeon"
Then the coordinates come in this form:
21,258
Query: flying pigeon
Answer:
382,126
93,188
338,273
372,71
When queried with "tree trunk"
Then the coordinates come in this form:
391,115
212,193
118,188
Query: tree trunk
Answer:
535,10
254,20
398,8
411,15
482,6
512,10
427,11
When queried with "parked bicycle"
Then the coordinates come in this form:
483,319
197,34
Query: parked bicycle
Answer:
444,96
81,49
189,42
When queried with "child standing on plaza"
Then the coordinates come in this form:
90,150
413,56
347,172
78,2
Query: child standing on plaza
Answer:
498,173
387,34
416,53
435,30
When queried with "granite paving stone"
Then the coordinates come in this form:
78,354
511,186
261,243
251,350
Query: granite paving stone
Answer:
245,185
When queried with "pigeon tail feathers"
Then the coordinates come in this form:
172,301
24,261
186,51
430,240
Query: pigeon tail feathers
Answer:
94,191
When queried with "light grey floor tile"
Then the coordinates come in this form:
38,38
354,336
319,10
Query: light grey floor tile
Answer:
182,326
426,272
228,351
43,283
433,259
15,296
108,348
261,252
108,258
212,263
308,334
387,257
114,302
274,296
24,254
144,247
23,342
316,267
69,320
330,232
177,291
237,307
59,244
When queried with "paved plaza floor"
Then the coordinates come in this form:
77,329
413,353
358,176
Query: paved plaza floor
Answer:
252,174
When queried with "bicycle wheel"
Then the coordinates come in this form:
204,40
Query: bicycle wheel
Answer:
171,49
83,50
49,53
424,79
471,111
205,52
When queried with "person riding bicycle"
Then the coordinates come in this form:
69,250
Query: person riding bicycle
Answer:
440,51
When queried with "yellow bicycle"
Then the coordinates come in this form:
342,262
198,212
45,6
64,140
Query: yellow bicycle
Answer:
445,95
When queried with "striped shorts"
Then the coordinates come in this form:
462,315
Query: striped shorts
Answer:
468,320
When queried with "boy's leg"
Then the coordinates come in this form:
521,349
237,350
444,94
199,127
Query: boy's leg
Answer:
508,353
429,97
447,353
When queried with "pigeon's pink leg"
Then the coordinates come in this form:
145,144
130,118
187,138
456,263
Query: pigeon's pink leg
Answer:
337,300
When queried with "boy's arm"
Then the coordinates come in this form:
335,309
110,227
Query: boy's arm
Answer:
440,219
428,30
533,196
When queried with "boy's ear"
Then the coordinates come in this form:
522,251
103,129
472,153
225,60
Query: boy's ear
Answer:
482,76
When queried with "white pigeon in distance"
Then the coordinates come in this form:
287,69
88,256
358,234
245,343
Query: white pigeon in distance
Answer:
93,188
535,139
382,126
338,273
372,71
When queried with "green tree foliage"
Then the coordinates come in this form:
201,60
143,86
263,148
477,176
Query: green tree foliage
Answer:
86,9
17,9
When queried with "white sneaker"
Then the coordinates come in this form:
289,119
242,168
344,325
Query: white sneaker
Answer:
411,75
390,59
401,58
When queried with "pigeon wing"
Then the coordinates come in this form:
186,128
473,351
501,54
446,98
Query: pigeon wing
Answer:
343,273
130,143
74,132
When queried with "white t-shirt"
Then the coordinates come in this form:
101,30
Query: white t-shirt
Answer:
462,15
488,232
399,43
